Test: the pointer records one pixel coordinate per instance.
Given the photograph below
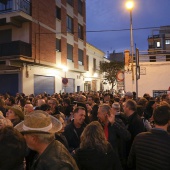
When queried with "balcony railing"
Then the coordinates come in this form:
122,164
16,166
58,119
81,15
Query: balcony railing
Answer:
15,5
15,48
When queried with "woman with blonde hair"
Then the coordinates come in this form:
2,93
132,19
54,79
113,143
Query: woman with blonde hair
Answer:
95,152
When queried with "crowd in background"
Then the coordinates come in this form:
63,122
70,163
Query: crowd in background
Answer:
100,131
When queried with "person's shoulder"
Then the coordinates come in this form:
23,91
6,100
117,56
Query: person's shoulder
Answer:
154,134
53,164
69,126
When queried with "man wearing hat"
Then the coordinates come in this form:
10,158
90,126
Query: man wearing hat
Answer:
128,95
38,129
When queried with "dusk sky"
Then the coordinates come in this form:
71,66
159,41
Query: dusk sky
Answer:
113,15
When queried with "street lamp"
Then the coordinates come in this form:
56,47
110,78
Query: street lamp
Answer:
129,6
65,69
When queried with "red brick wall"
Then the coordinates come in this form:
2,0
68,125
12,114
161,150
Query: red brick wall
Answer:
43,40
64,33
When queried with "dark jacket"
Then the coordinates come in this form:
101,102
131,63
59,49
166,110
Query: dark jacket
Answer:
55,157
118,136
72,135
92,159
135,126
150,151
61,138
118,132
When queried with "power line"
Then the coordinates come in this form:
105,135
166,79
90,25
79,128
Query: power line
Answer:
125,29
112,30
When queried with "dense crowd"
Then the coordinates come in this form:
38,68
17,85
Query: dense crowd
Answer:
84,130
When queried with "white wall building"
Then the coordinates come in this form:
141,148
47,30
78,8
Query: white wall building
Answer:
154,76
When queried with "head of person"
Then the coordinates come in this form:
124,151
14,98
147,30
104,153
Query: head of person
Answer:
90,100
40,102
93,137
116,106
128,95
28,108
161,115
147,96
10,101
103,110
14,112
4,122
140,110
129,107
142,101
38,128
106,98
166,97
79,114
81,98
2,102
53,102
12,148
45,107
66,102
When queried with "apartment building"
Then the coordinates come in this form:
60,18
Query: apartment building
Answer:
43,47
159,44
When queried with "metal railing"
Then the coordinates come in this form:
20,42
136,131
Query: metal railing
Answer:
15,5
15,48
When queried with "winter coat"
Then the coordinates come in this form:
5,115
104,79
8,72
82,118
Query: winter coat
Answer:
92,159
55,157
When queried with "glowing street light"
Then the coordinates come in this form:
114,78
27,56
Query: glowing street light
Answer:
65,69
129,6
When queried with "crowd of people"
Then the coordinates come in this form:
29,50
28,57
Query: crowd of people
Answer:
85,131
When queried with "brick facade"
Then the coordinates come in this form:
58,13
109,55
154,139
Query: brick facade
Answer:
43,40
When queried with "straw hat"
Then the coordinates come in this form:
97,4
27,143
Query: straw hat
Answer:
39,121
17,110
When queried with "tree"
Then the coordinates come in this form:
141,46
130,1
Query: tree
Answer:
110,71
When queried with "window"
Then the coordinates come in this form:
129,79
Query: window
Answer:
80,31
69,24
58,12
94,64
6,5
167,57
152,58
80,7
70,2
69,52
167,41
58,45
158,44
80,57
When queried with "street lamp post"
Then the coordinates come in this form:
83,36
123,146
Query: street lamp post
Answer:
129,6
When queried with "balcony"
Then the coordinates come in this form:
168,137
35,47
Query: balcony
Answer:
14,12
154,36
15,49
